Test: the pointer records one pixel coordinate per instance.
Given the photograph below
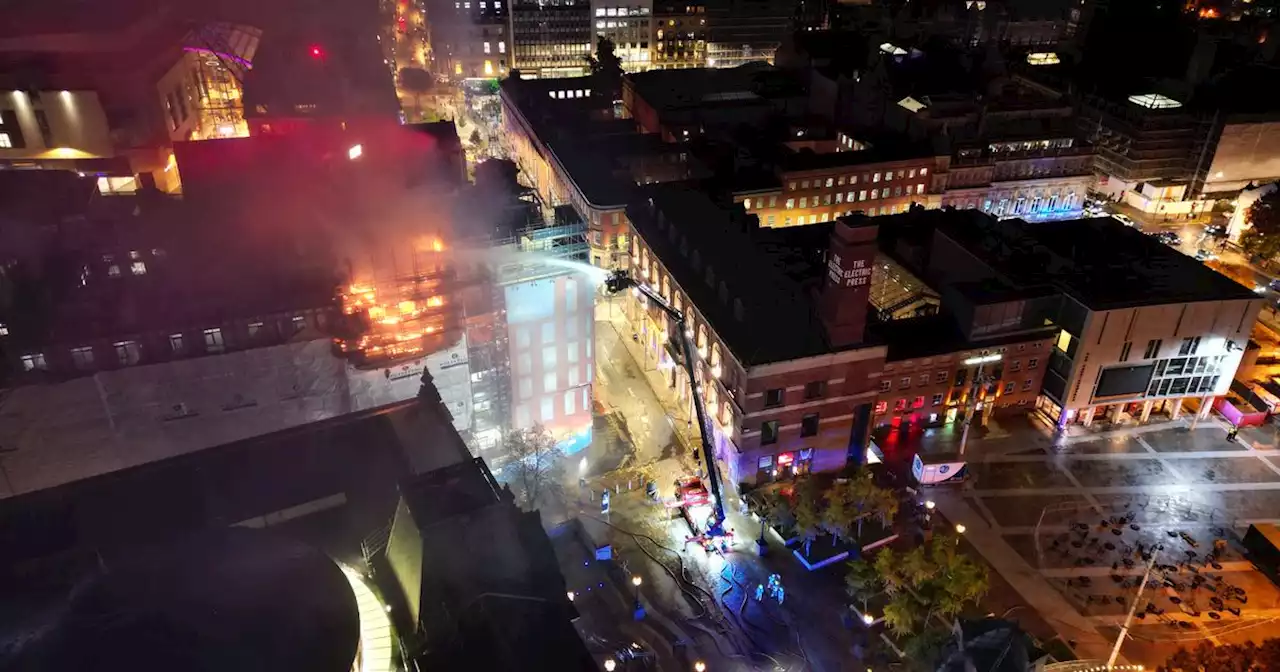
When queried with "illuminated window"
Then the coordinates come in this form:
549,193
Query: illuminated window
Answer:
82,357
5,141
34,362
488,68
875,178
487,49
502,46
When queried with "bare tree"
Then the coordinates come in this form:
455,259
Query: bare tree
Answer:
534,467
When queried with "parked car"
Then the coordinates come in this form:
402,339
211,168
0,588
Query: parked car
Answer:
1215,230
1124,219
1167,237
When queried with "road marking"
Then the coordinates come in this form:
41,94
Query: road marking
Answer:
1270,465
1093,501
1163,462
1169,489
1121,457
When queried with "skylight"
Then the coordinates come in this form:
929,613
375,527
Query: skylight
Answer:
893,49
1043,58
1154,101
912,104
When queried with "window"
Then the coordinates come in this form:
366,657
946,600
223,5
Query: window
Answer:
773,398
862,194
548,409
486,48
570,402
804,201
138,268
299,322
128,352
829,182
746,204
881,407
5,142
1026,384
526,387
815,390
113,271
1032,363
254,328
1153,349
82,357
549,381
885,385
937,400
809,425
900,405
940,377
4,329
549,356
905,382
34,361
924,379
875,178
875,193
1015,365
1008,388
1189,346
502,46
175,343
920,188
924,171
1124,351
213,340
769,432
791,203
918,402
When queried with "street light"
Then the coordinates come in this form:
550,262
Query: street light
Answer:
571,595
868,619
700,666
610,664
930,504
960,528
636,581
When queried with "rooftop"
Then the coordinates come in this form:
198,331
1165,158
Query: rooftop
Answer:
571,126
769,272
230,598
666,90
1099,262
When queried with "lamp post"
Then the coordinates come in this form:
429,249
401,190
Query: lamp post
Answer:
971,403
1133,609
700,666
960,528
638,609
610,665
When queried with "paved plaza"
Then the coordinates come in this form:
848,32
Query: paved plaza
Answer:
1067,521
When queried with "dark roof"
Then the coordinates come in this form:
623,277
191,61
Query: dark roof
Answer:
493,597
665,90
225,599
938,334
571,129
1099,262
764,269
810,160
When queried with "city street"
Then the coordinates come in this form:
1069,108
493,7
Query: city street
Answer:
1026,489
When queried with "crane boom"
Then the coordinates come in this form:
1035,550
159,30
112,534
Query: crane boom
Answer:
620,281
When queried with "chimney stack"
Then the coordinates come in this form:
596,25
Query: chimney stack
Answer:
847,287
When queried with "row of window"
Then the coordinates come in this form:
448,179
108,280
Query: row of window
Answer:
573,401
551,380
129,352
1188,347
853,179
778,396
769,430
483,5
1015,366
938,398
622,11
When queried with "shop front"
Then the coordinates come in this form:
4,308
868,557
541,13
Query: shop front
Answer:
784,466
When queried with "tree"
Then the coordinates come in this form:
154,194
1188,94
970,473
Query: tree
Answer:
776,509
533,465
857,498
931,580
606,70
1262,238
862,582
807,508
